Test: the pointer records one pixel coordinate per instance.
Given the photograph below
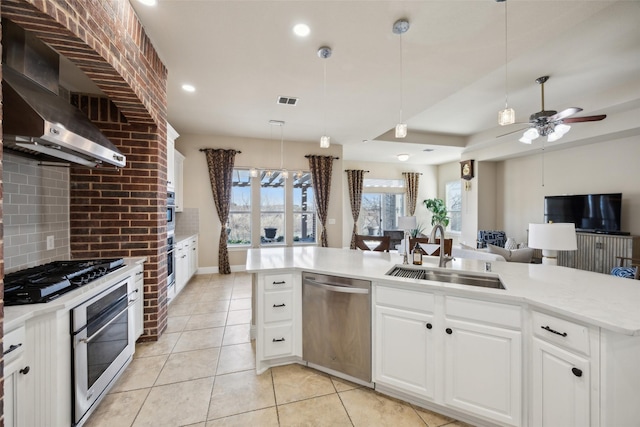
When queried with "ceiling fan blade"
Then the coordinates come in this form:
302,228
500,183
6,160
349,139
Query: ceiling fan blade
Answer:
509,133
564,113
585,119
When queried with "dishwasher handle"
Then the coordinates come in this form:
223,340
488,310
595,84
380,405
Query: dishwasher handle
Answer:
334,288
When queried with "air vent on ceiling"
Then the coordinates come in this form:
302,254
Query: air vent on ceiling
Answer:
287,100
428,150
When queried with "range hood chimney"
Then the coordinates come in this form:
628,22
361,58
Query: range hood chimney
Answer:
37,122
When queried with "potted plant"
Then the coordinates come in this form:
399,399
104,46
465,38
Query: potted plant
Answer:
438,211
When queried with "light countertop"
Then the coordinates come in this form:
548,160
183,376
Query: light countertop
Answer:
16,315
598,299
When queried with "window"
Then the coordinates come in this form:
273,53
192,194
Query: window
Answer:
382,204
239,224
453,200
304,209
272,207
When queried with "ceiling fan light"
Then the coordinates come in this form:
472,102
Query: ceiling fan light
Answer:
325,141
506,117
531,133
562,128
552,137
525,140
401,130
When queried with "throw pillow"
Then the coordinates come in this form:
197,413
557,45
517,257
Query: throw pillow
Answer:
516,255
511,244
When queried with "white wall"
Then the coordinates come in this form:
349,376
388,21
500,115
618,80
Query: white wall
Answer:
258,153
606,167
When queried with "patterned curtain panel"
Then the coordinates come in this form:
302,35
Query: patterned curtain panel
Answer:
220,164
355,180
321,167
411,181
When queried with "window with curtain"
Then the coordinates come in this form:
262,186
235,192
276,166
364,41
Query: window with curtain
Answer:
239,224
382,204
272,208
453,200
304,210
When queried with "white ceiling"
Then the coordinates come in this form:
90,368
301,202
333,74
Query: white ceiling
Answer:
241,55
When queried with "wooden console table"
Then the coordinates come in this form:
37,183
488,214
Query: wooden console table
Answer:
598,252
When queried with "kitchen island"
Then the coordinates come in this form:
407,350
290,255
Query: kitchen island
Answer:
558,346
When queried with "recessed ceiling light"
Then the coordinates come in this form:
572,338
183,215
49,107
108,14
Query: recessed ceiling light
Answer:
148,2
188,88
403,157
301,30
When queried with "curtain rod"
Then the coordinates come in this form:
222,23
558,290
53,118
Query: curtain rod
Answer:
419,173
347,170
205,149
317,155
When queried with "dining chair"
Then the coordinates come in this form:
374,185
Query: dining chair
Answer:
383,246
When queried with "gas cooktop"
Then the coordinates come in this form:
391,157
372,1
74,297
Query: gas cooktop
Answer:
47,282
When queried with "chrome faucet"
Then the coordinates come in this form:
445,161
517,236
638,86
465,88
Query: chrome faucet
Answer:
432,239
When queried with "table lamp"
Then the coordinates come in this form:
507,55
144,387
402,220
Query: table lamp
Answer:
551,238
406,223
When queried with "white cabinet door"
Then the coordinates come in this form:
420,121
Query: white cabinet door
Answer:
182,267
172,135
404,351
483,370
560,387
193,256
178,171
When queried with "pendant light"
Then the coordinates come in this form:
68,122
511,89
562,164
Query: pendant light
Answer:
325,141
400,27
508,115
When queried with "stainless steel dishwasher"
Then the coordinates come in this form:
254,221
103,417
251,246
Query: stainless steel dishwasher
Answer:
336,324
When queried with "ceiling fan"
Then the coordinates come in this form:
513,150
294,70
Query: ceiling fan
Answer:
551,123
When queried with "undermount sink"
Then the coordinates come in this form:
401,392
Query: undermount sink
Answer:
457,277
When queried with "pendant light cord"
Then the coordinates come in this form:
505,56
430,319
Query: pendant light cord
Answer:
401,79
506,57
324,98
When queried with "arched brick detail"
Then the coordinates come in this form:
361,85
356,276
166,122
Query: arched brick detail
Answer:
106,41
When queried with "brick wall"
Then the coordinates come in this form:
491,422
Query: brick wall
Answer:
114,213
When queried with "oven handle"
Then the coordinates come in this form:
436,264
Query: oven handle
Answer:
86,340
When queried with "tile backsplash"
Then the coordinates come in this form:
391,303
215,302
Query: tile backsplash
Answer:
36,205
187,222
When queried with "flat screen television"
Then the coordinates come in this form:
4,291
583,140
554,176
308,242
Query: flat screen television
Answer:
596,213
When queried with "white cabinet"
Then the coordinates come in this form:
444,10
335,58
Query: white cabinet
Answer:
16,369
404,341
182,265
138,316
483,345
178,171
172,135
447,350
561,372
278,320
193,256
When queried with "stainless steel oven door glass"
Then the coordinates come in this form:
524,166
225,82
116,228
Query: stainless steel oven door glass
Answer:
171,262
171,212
103,344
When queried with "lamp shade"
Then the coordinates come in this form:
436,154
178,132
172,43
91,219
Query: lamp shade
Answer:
554,236
407,222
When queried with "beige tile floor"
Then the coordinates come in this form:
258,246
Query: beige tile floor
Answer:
201,372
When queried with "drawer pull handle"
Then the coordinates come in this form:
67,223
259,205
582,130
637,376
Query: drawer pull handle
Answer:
278,305
11,348
449,331
278,339
546,328
281,282
429,326
25,370
577,372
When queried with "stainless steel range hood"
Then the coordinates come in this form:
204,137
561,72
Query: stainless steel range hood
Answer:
37,122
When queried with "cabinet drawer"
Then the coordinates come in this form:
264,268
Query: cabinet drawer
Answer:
14,342
566,333
405,299
483,311
278,281
278,340
277,306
